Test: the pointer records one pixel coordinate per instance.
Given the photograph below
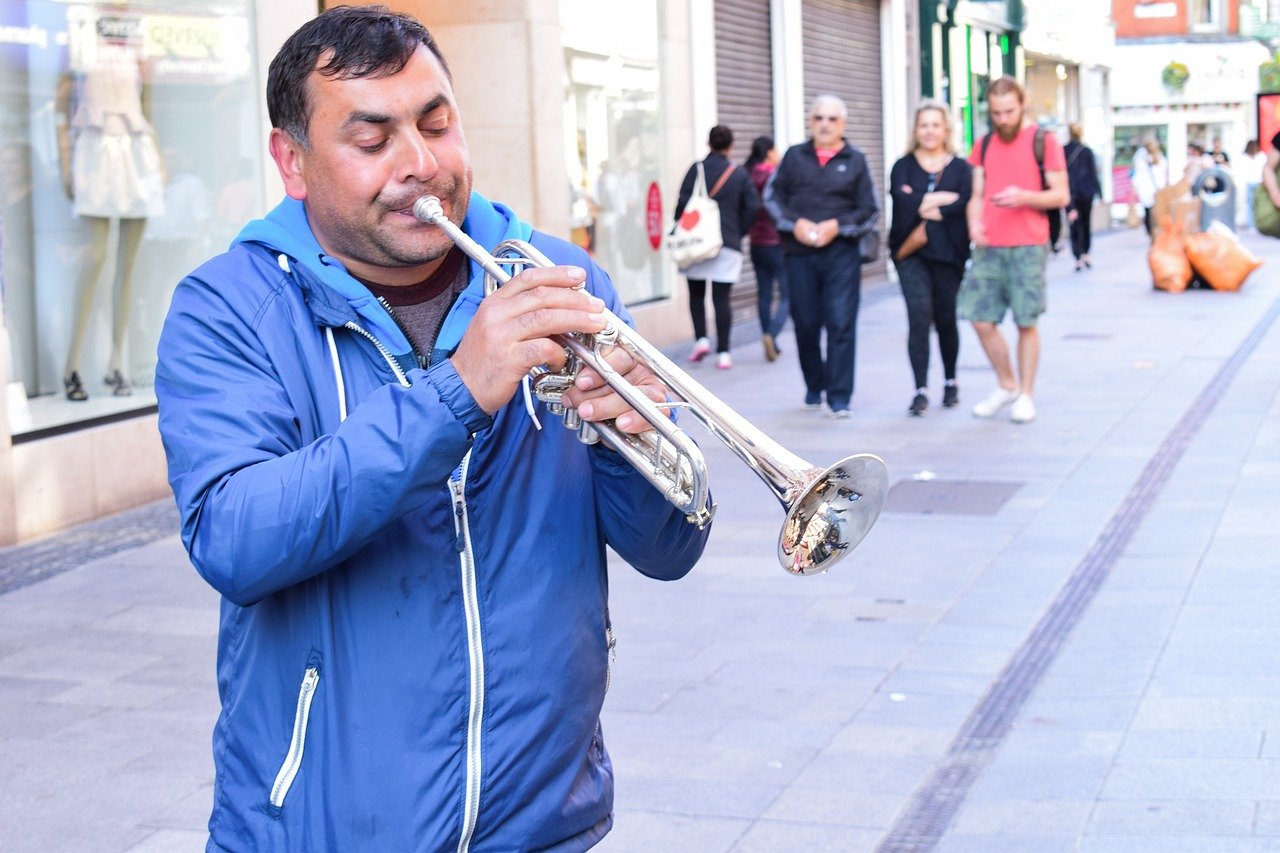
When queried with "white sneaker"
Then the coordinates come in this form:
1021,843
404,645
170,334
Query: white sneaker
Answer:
701,349
1023,410
724,361
995,401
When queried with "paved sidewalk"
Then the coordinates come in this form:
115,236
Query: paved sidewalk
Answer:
1060,636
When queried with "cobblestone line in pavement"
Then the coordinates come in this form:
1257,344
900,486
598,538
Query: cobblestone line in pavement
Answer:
939,798
22,565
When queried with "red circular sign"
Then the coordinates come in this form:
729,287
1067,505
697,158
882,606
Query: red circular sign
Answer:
653,216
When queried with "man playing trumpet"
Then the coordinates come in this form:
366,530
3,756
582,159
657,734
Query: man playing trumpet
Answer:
415,635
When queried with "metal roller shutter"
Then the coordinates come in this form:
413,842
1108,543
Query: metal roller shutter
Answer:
842,57
744,97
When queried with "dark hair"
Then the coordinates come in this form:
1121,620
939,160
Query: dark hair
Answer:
363,41
760,148
720,138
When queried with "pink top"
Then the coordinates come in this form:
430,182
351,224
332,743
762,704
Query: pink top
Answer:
1014,164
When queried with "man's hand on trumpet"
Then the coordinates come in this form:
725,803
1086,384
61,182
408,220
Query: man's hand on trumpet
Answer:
596,401
511,331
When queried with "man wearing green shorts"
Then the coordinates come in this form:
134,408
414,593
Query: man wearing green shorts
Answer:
1010,234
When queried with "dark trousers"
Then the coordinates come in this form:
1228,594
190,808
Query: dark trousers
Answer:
719,301
929,288
1082,228
773,296
825,289
1055,227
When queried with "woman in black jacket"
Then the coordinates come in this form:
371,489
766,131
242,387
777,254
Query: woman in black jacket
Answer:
738,203
929,242
1082,180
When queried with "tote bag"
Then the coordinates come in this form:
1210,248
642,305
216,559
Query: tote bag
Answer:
696,235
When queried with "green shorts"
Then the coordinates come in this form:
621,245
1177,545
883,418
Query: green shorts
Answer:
1004,278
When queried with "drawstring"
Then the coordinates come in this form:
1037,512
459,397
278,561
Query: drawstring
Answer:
528,402
337,374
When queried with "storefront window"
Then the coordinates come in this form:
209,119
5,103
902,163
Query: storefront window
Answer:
129,152
613,135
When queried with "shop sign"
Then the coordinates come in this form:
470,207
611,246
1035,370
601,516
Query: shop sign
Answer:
653,216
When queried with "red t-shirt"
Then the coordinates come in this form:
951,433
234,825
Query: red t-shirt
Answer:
1014,164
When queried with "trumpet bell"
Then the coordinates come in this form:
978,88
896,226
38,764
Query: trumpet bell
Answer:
832,514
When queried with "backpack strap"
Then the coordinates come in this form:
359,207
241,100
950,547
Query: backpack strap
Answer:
1037,147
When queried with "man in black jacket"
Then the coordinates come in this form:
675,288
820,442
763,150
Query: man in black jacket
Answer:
823,201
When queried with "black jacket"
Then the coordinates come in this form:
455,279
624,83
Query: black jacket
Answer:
1082,170
841,190
739,202
908,183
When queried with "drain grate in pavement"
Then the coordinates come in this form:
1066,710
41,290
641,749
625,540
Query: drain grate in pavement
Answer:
949,497
22,565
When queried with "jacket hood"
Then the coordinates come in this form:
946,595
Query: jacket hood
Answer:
287,230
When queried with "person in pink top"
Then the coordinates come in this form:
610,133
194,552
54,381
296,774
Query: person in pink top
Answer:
1019,174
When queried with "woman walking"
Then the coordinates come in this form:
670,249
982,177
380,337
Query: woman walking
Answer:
1082,179
1150,174
929,243
738,202
772,295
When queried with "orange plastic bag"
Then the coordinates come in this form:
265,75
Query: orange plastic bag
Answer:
1170,269
1220,259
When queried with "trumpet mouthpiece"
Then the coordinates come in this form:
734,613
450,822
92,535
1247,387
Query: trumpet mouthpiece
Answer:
427,209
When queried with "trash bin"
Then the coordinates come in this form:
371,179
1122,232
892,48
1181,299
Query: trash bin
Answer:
1216,189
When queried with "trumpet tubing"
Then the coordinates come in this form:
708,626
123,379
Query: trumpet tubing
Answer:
829,510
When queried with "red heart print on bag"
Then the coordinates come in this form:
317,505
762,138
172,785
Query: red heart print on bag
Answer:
689,219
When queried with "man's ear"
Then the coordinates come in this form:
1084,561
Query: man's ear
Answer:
290,160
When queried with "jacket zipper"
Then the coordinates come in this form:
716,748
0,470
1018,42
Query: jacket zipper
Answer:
293,760
475,651
382,350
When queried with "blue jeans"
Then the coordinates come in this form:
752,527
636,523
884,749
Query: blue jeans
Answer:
825,288
771,279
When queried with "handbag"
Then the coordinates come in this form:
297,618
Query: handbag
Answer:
914,242
696,235
869,246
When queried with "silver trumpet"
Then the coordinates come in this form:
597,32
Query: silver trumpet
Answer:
829,510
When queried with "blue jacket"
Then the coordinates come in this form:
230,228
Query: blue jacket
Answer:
414,631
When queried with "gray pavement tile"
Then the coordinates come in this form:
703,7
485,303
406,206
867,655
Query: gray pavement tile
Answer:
189,813
1088,713
1029,742
114,694
1023,777
1225,712
68,664
930,711
636,831
873,740
1173,817
24,718
980,660
677,795
910,681
834,806
1004,842
1194,779
757,733
1182,743
767,836
865,774
1266,820
1174,844
172,841
50,831
1027,817
1101,683
769,765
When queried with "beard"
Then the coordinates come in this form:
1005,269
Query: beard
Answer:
423,244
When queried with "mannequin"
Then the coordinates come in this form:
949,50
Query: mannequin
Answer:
111,171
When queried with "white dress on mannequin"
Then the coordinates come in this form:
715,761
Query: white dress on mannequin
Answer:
115,162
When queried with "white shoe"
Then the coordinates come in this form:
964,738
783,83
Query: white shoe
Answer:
724,361
1023,410
701,349
995,401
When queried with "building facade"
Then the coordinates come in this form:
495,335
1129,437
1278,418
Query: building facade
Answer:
1184,73
583,116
